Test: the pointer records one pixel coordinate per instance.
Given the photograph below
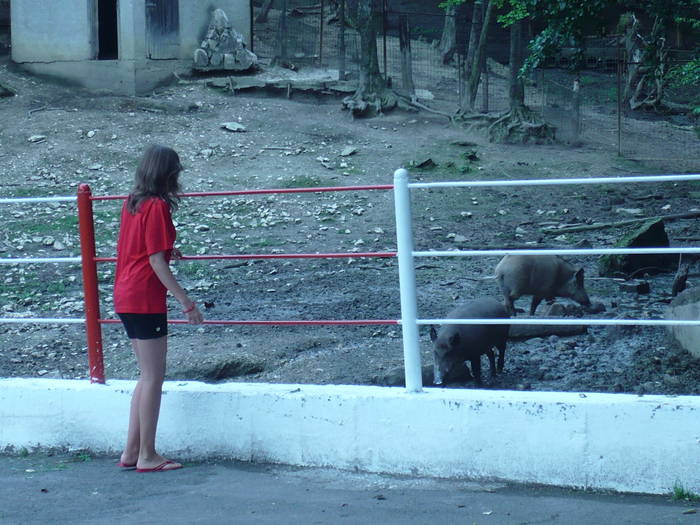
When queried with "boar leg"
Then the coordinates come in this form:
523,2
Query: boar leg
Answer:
492,362
476,369
501,356
509,304
536,300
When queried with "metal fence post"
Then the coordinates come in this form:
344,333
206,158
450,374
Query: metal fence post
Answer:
407,282
86,226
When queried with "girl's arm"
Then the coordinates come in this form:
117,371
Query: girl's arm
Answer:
162,270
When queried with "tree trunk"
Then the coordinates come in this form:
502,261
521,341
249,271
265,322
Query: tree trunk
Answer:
475,54
341,40
406,59
448,41
281,51
516,91
372,96
647,58
264,11
519,125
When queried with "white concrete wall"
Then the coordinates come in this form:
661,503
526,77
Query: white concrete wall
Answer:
600,441
56,38
46,31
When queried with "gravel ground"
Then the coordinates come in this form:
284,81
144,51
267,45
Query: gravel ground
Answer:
55,137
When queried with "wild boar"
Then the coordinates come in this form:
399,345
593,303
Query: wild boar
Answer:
455,344
543,277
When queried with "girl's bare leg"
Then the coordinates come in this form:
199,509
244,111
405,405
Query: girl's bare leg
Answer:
133,438
143,421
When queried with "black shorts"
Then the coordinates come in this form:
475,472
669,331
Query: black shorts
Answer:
145,326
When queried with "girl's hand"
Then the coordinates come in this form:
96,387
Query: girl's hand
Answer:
194,316
176,254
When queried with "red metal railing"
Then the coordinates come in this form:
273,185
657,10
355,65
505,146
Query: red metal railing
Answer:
93,321
92,301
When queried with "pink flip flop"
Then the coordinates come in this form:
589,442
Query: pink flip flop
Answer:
163,467
126,466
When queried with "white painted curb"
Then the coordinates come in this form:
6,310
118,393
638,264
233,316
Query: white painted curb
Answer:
600,441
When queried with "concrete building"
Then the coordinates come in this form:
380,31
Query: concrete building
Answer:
123,46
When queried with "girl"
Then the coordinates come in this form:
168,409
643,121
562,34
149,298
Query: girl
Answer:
143,278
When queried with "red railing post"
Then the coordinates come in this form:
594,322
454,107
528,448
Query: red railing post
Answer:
92,301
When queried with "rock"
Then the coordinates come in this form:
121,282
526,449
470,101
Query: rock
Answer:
595,308
425,164
218,370
630,211
347,151
686,306
37,138
650,234
635,286
555,310
6,92
234,127
201,59
397,377
223,47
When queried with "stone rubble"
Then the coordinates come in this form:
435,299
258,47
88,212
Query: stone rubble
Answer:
223,48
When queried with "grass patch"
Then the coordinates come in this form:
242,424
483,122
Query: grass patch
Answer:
193,270
264,243
681,493
18,193
63,224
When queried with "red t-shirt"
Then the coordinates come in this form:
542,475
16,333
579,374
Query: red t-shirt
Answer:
137,289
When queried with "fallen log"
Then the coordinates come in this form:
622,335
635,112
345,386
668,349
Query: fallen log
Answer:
528,331
627,222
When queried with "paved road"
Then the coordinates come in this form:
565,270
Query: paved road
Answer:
41,489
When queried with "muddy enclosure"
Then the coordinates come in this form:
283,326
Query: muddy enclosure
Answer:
58,137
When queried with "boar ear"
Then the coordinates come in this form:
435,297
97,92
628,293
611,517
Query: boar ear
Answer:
579,276
433,334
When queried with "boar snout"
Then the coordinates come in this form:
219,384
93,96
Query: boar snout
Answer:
578,292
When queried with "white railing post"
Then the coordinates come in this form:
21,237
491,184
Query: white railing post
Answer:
407,282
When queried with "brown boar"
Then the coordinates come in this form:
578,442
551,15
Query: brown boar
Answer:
543,277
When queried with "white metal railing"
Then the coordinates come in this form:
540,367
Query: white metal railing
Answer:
409,320
30,260
555,182
39,260
25,200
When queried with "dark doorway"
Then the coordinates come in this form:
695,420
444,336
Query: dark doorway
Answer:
107,30
162,29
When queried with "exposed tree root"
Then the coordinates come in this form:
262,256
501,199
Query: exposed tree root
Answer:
364,104
521,126
517,126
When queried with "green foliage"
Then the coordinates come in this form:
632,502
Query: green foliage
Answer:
450,3
82,457
685,75
565,22
680,493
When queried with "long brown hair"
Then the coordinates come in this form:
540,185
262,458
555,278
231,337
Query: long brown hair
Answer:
156,176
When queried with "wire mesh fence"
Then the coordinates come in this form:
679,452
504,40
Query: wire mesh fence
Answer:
585,108
662,130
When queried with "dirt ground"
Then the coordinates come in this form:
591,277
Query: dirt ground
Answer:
54,137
